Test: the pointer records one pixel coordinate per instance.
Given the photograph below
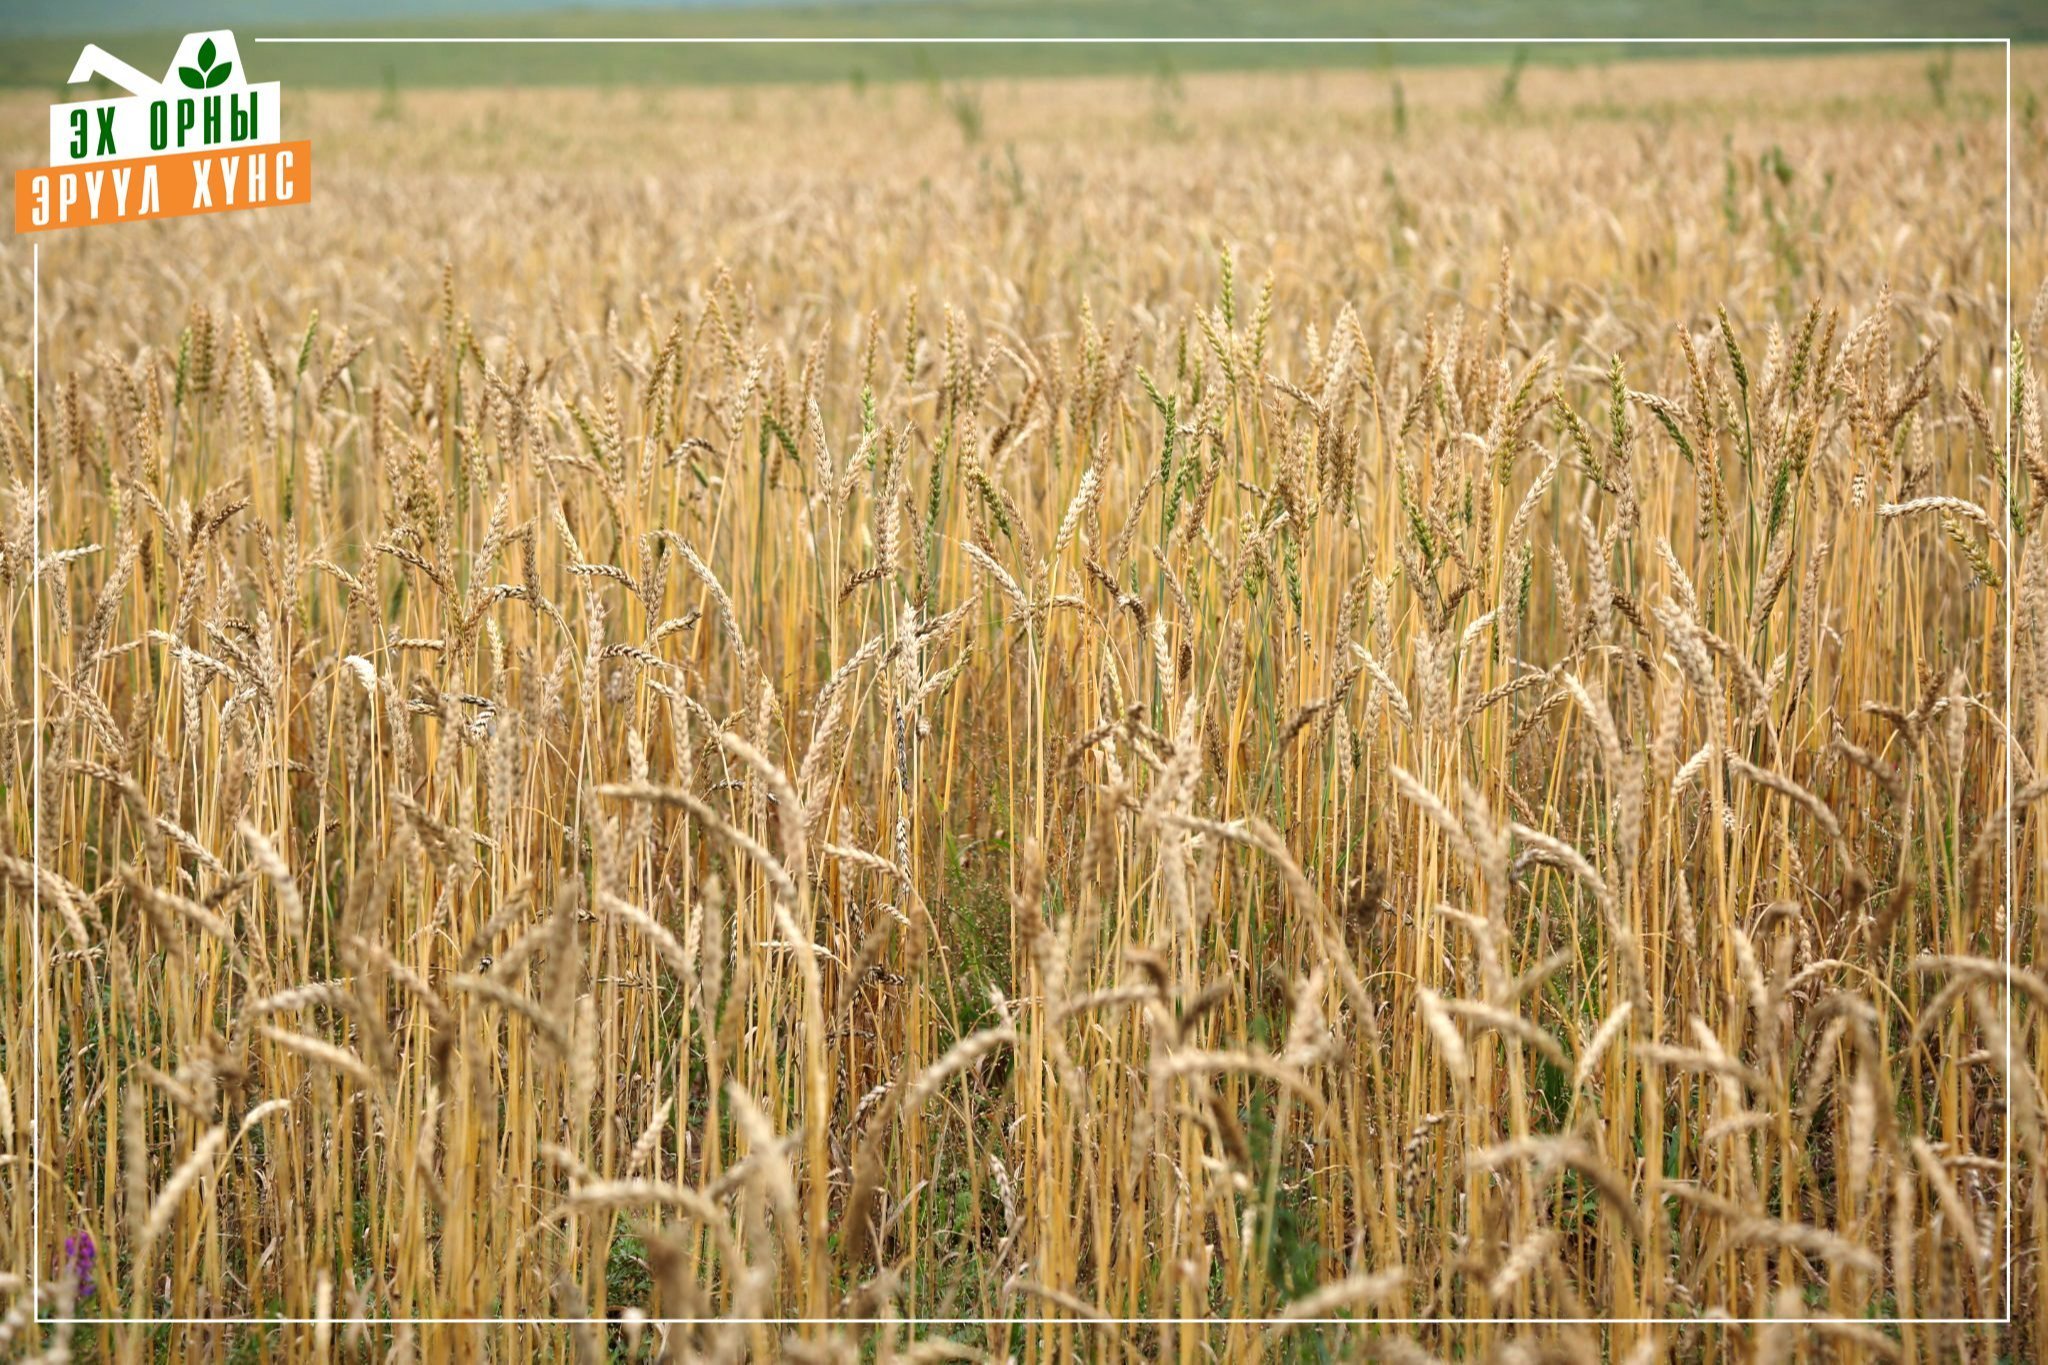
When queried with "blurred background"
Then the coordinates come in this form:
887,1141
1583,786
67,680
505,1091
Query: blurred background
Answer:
41,37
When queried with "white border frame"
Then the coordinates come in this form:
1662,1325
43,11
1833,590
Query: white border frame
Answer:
35,630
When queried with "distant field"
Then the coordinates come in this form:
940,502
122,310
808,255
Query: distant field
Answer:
43,61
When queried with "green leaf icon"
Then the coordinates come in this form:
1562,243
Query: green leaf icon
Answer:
206,75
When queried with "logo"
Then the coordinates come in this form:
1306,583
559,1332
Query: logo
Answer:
201,140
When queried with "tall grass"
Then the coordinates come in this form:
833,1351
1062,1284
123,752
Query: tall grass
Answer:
1254,787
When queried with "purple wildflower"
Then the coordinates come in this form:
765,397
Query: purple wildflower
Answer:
79,1255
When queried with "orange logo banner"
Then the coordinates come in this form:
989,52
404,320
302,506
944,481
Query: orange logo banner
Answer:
174,186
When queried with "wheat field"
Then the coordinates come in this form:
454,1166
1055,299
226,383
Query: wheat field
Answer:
1344,716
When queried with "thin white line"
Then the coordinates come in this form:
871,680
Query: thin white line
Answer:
728,39
2011,742
1022,1322
35,815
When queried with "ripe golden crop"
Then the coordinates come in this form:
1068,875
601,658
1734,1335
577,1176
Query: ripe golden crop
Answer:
1180,711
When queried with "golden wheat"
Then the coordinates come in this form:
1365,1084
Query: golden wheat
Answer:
865,729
